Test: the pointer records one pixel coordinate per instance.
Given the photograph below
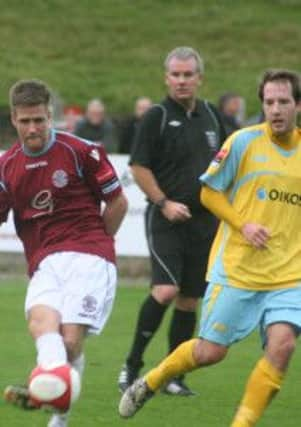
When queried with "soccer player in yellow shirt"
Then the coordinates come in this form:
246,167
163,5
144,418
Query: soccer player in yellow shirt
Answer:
254,187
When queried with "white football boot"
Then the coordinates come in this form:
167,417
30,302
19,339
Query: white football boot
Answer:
58,420
134,398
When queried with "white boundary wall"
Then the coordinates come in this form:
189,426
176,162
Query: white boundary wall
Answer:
130,239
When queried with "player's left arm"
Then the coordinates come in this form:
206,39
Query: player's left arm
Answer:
103,180
5,202
114,213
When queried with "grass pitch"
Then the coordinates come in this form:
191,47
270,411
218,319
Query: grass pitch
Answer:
219,387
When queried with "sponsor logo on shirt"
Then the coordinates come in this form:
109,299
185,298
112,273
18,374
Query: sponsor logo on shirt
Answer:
59,178
275,195
35,165
261,194
43,202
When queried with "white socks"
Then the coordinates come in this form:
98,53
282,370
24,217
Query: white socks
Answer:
79,364
51,349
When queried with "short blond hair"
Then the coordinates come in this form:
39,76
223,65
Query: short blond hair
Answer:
184,53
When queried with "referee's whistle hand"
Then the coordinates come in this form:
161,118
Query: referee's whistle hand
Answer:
175,212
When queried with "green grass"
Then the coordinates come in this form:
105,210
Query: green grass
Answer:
219,387
115,48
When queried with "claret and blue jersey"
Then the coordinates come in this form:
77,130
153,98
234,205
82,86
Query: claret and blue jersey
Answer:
55,196
262,179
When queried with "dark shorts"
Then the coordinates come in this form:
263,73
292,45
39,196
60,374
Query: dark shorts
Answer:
179,252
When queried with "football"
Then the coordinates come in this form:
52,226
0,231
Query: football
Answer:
55,387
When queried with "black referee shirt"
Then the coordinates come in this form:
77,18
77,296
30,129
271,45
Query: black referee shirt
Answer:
178,146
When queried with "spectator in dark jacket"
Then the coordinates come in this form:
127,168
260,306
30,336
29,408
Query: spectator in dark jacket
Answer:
95,126
128,131
231,107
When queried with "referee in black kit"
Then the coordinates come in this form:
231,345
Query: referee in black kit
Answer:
174,145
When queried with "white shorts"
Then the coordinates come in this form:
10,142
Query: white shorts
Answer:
81,287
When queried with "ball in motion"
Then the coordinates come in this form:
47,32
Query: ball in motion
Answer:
55,387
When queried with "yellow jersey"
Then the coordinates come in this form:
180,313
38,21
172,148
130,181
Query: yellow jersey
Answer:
261,176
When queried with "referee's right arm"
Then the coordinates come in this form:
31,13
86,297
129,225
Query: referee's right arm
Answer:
143,154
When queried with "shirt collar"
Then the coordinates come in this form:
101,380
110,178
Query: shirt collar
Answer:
288,141
47,146
179,108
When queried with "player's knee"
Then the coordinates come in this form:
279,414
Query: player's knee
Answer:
281,344
42,320
208,353
289,346
164,294
284,348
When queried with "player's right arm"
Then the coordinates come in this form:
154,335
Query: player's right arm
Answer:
217,180
217,202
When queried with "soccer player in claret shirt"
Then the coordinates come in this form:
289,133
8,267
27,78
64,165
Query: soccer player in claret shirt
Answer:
55,182
254,187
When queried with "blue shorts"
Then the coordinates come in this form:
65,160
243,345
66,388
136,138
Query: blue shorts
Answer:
229,314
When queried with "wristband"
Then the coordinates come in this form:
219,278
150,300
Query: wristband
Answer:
161,203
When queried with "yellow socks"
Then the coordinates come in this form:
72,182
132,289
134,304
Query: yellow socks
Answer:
264,382
180,361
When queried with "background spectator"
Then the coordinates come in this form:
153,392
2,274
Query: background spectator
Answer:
255,120
232,110
95,126
72,115
128,130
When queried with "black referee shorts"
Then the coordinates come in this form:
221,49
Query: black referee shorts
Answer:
179,252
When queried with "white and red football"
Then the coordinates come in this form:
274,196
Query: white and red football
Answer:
57,387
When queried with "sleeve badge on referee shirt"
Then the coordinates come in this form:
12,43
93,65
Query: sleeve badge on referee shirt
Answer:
212,139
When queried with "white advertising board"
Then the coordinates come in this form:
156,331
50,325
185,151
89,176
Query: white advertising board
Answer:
130,239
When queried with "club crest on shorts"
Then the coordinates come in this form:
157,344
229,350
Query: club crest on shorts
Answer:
60,178
89,304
